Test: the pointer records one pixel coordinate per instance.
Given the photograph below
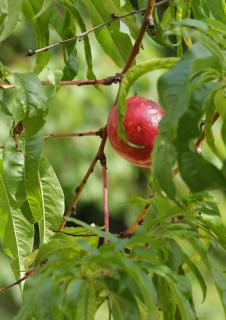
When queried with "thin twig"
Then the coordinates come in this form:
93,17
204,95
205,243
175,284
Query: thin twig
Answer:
100,152
139,220
27,275
73,134
105,82
79,37
79,189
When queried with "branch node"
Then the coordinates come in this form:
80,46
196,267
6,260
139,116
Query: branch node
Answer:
77,189
151,26
114,16
102,159
30,53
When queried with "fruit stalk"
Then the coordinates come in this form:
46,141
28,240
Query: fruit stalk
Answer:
105,195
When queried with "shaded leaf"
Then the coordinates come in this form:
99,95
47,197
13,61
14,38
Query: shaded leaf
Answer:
16,233
12,18
13,165
33,149
31,107
116,44
71,66
40,25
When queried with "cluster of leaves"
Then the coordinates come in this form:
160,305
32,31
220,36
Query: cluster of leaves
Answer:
146,276
138,278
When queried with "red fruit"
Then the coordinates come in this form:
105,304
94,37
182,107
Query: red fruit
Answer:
141,127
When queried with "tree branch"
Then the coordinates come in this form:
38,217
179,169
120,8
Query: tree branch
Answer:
137,44
27,275
100,152
139,220
73,134
79,37
79,189
105,82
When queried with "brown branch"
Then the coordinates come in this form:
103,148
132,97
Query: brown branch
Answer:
100,152
74,134
27,275
139,220
105,82
79,37
137,44
79,189
111,79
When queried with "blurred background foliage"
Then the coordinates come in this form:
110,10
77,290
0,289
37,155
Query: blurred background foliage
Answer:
86,108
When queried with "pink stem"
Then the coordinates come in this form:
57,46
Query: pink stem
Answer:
105,200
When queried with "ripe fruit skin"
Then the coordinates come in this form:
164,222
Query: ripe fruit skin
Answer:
141,127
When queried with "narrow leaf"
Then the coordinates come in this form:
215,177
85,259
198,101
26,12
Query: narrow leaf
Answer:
12,18
52,200
16,233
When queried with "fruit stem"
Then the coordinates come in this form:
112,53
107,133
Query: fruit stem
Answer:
105,194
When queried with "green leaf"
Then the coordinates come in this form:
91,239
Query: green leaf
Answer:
144,284
71,66
166,300
116,44
216,225
52,200
45,5
218,277
13,165
209,136
12,18
31,105
125,305
184,100
33,149
180,289
86,304
130,21
198,173
16,233
197,274
202,9
82,26
40,25
4,109
163,157
71,297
